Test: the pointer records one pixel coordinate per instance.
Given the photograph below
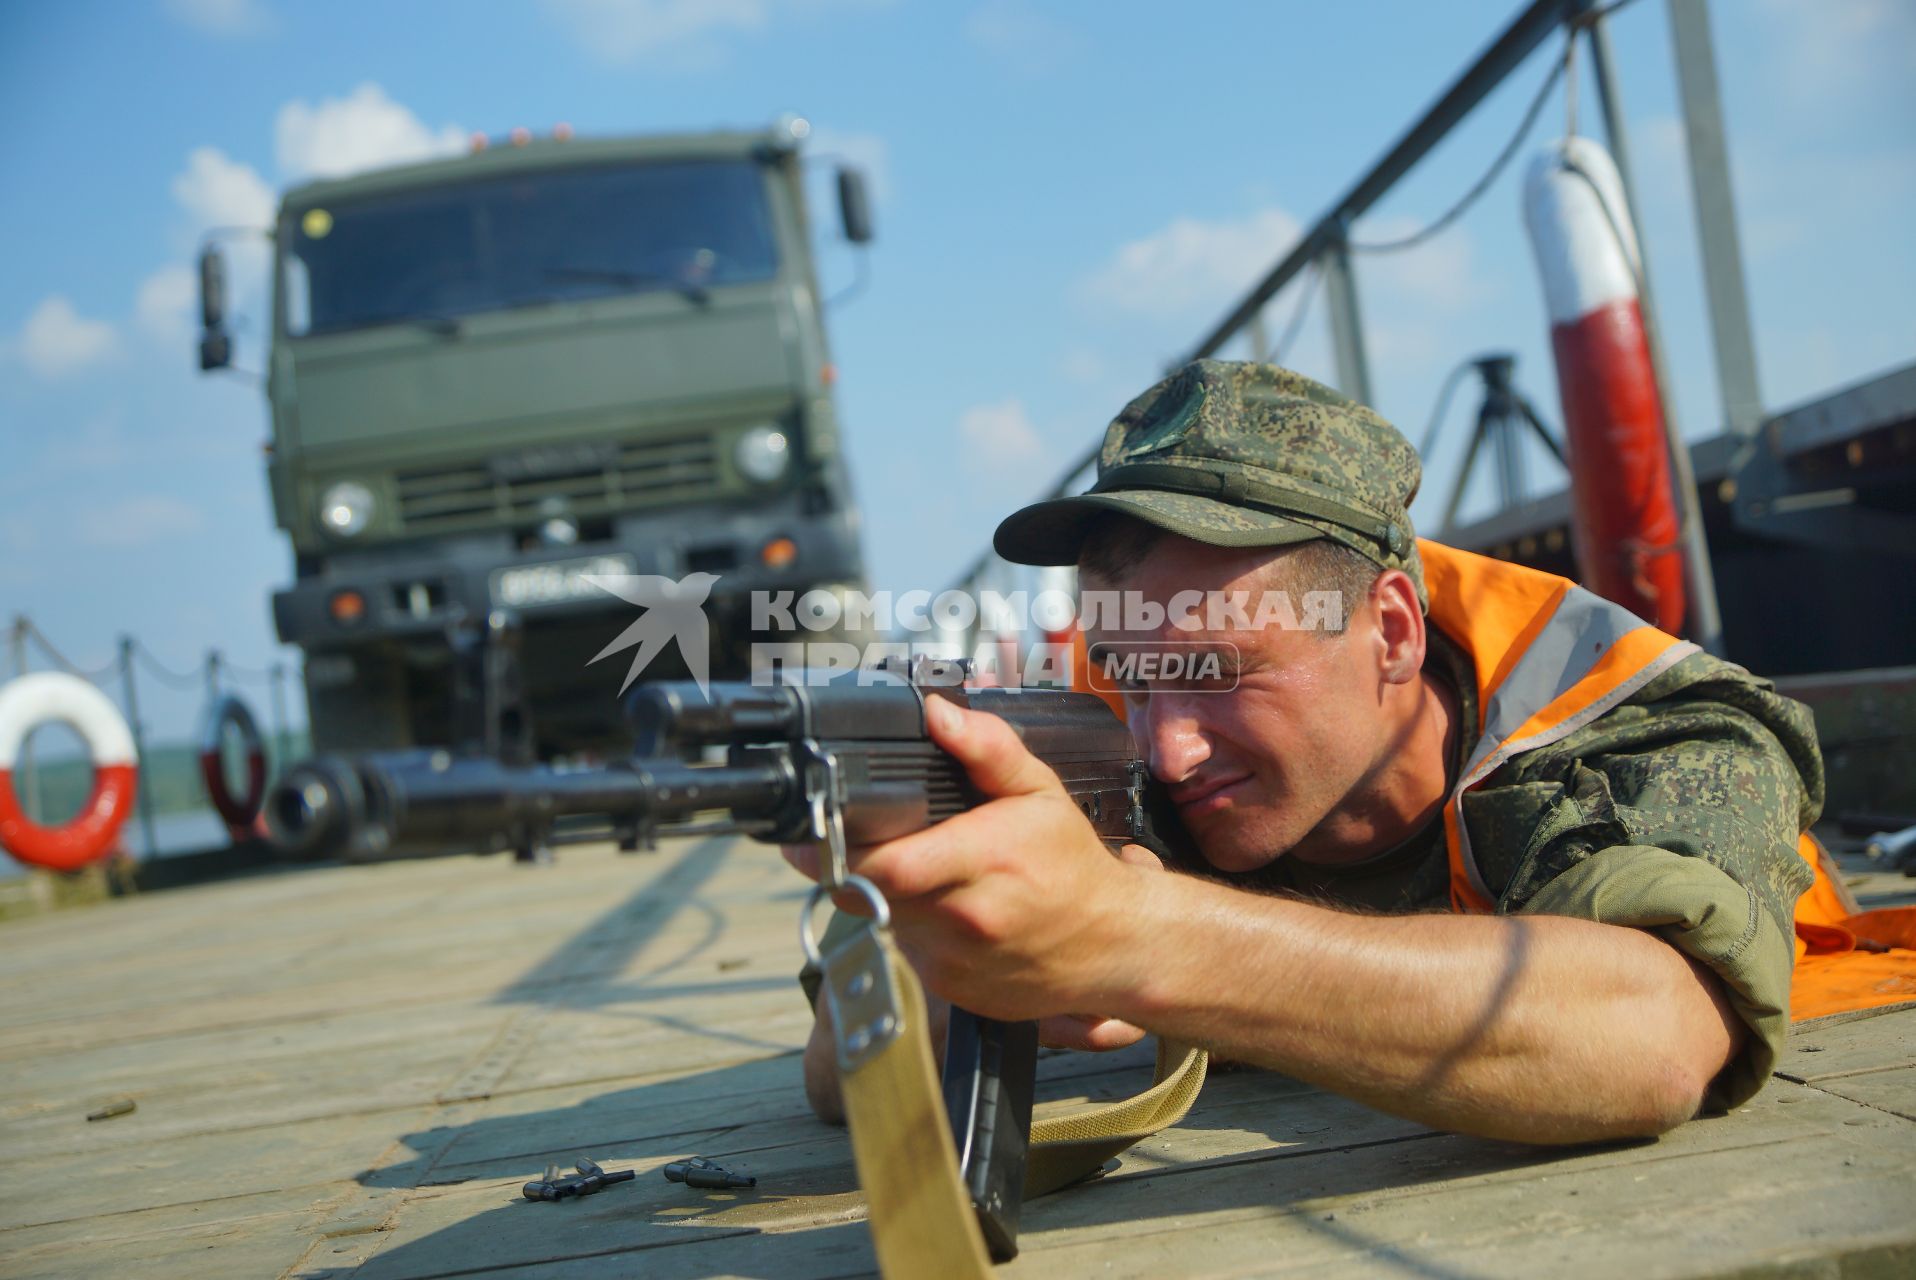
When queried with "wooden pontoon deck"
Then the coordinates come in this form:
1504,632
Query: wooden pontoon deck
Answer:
350,1071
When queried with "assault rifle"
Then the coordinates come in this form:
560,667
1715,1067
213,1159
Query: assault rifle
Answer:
798,760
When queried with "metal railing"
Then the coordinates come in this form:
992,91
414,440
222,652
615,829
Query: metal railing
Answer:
1325,253
119,678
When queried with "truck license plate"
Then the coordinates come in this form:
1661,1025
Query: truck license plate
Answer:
532,585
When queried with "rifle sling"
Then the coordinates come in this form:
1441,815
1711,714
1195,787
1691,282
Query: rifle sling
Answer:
921,1217
1070,1148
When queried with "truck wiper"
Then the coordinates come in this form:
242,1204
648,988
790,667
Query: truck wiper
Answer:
614,275
431,321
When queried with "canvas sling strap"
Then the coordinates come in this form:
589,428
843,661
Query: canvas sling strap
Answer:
1070,1148
921,1217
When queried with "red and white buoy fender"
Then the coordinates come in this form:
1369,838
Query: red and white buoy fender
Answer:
31,701
1624,514
241,812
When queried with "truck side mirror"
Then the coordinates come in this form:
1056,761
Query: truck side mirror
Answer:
854,205
216,349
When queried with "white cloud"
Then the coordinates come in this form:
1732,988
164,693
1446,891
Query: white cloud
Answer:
138,521
364,130
1023,37
214,190
165,300
999,435
221,17
57,340
627,31
218,191
1192,264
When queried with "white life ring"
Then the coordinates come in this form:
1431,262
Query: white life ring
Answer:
31,701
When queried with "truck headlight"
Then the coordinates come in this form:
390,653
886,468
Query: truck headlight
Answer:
762,454
346,509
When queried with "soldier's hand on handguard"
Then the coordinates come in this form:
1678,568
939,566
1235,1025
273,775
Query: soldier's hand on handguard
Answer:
1010,909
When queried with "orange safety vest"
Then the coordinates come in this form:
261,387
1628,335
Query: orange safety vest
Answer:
1550,658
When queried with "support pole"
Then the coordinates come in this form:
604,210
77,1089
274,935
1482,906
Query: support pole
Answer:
278,758
28,775
1706,619
1716,217
143,778
1347,324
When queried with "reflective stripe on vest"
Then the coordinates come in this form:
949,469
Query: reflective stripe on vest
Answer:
1550,658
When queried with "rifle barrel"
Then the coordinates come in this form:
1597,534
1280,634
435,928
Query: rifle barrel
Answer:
374,804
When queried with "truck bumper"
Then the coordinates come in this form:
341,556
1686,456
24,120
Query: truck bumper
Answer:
415,593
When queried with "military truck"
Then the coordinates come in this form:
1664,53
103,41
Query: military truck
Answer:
495,375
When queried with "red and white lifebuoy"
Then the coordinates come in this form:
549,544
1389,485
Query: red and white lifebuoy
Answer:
239,813
1624,518
31,701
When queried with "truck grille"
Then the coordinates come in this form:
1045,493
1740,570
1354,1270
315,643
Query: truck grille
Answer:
643,473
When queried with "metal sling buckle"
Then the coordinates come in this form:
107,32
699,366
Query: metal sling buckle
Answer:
858,986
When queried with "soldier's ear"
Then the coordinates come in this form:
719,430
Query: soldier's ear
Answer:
1399,620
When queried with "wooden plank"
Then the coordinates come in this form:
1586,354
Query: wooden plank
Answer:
1685,1205
189,1182
352,1070
1892,1090
1246,1205
244,981
1821,1051
242,1235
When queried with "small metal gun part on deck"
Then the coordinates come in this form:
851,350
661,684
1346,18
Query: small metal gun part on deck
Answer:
586,1179
705,1175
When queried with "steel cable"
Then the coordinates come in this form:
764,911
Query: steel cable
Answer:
164,674
93,675
1482,184
1562,66
250,675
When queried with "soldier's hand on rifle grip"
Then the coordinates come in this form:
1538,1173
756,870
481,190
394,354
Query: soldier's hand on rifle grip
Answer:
1014,909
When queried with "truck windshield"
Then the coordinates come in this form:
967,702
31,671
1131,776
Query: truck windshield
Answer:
425,256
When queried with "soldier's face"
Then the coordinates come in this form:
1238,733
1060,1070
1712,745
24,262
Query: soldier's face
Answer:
1269,754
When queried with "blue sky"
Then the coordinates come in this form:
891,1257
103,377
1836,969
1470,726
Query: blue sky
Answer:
1068,196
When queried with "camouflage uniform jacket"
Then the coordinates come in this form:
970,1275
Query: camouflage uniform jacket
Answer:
1677,812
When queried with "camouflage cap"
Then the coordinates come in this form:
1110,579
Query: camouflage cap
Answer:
1236,454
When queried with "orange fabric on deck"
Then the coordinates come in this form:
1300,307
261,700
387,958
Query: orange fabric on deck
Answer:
1847,962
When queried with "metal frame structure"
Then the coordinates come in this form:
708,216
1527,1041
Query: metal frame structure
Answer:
1326,243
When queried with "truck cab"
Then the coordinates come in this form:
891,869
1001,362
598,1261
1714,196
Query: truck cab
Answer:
496,375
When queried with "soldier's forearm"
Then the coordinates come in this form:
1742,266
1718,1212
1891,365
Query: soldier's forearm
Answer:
1536,1029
